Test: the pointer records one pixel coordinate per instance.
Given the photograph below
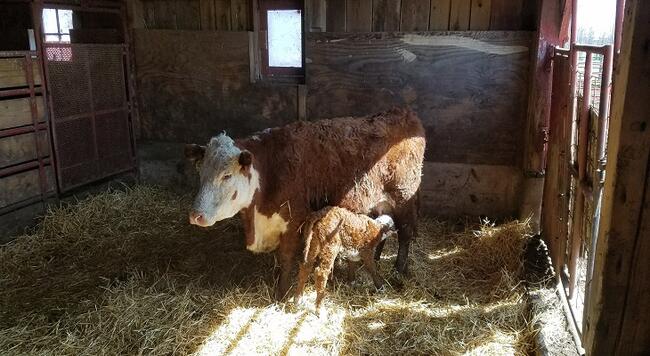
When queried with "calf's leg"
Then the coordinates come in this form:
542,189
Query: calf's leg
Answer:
406,223
371,267
306,267
327,258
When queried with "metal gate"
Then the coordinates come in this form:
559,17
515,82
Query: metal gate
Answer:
90,111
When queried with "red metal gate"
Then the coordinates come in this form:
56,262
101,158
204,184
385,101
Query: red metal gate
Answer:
90,111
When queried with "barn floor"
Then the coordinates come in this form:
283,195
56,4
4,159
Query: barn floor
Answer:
122,272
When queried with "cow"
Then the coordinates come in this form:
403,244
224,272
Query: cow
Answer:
277,177
334,231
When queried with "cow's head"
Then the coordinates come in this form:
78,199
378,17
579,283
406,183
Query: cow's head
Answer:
228,180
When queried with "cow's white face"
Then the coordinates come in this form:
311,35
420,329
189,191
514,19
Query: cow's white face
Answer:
228,180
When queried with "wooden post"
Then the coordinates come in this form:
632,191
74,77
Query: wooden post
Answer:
617,319
552,31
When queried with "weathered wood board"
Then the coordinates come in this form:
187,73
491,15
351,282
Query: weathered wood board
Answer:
456,189
193,85
22,186
22,148
12,73
18,112
469,88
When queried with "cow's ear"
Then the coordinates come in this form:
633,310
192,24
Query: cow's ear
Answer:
194,152
245,158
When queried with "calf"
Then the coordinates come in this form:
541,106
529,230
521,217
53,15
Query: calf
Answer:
335,231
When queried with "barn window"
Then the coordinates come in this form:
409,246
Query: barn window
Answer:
57,24
281,25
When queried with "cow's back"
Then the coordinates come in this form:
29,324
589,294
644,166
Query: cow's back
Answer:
355,163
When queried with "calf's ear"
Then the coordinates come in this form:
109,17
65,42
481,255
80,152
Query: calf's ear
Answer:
245,158
194,152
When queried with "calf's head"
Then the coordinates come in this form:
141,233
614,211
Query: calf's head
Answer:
228,180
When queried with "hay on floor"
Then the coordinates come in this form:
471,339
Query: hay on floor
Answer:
123,272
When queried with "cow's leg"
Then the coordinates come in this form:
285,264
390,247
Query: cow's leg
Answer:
371,267
286,256
406,223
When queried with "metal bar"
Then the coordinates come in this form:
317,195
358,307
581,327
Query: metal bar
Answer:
593,49
19,92
22,130
29,73
7,171
17,54
21,204
603,124
618,25
86,114
37,16
583,142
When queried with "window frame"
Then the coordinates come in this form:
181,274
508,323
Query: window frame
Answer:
283,73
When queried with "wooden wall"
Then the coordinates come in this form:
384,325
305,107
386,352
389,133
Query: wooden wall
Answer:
192,85
344,15
209,15
419,15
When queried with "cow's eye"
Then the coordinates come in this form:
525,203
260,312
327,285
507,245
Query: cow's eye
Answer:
226,177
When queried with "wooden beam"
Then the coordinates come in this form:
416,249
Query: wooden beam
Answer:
459,15
415,15
358,16
335,16
439,18
618,308
207,15
480,15
385,15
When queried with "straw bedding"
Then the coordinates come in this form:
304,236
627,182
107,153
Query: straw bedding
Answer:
122,272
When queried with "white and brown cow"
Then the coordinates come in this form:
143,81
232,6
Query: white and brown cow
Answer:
276,178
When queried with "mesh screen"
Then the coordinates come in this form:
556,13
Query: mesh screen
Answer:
88,90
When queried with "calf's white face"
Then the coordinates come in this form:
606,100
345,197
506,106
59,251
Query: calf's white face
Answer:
228,180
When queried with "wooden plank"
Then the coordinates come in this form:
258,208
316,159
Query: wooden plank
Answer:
385,15
165,14
149,13
239,15
18,112
136,14
617,308
210,83
506,15
12,73
22,148
222,15
472,115
454,190
358,16
539,98
22,186
459,14
336,16
188,15
439,18
316,15
415,15
207,15
480,15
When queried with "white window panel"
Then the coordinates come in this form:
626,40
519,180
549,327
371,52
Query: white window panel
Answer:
49,21
285,38
65,20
